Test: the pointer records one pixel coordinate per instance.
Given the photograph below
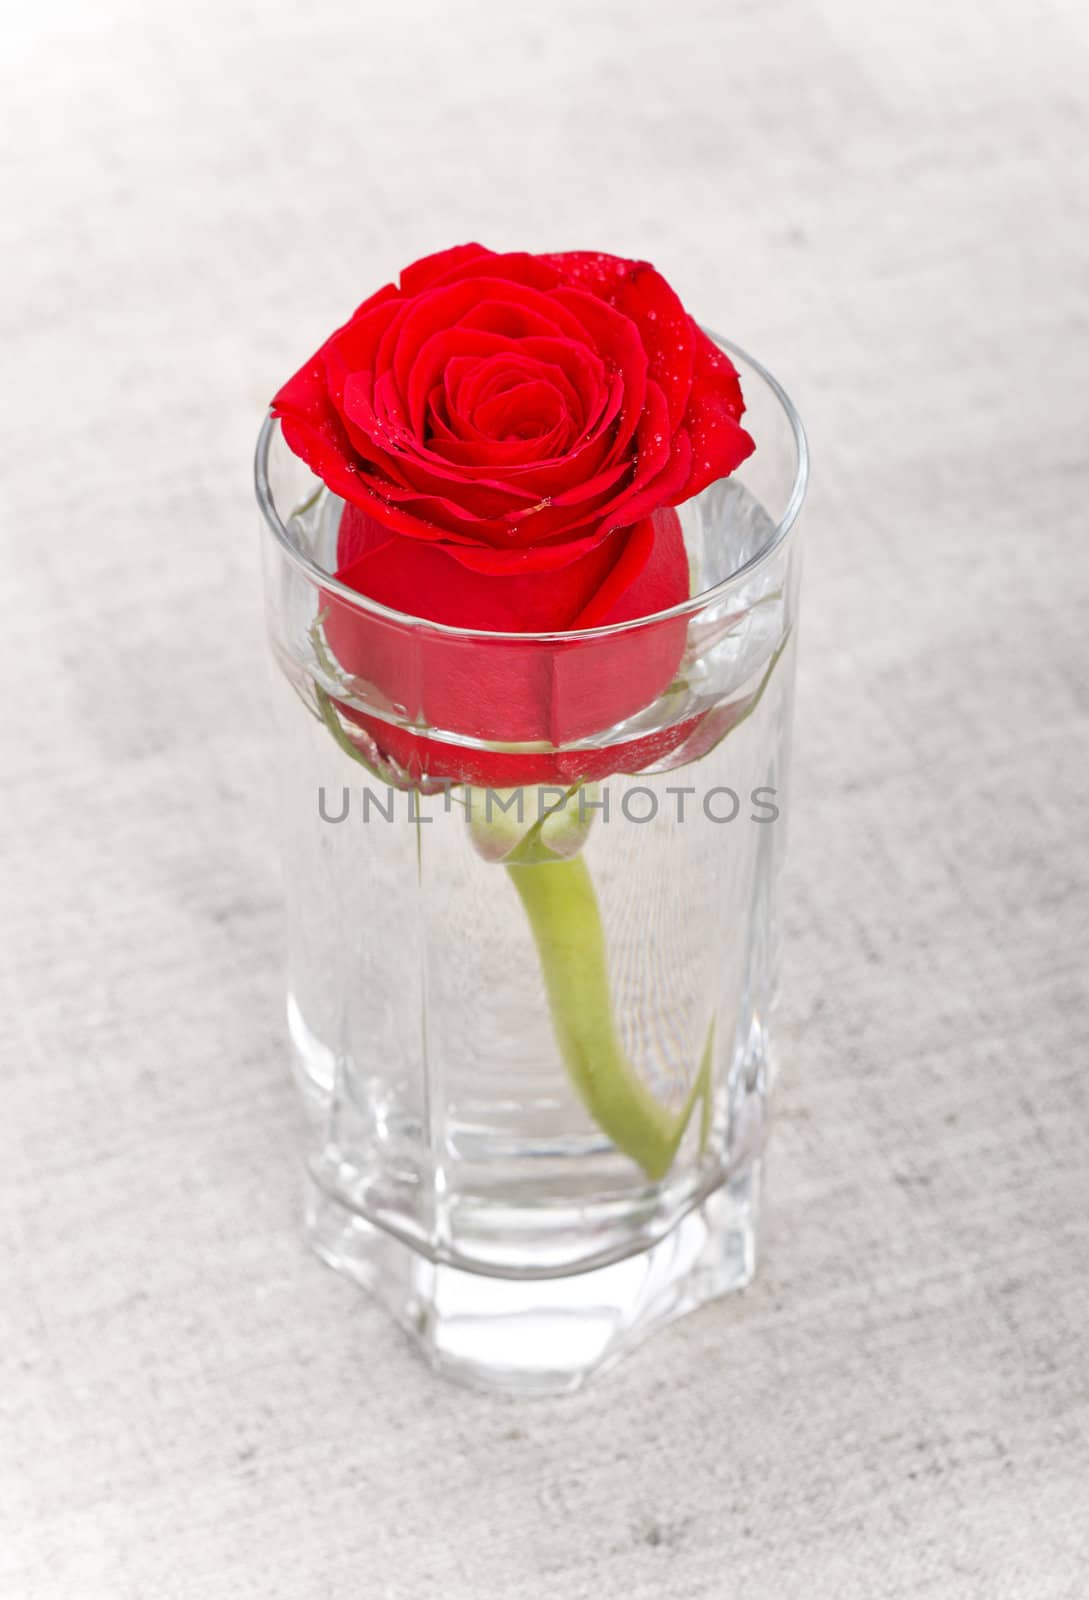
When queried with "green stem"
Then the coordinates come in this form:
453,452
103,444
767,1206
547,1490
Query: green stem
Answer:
563,913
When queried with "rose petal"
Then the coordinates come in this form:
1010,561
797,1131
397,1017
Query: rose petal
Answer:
665,329
516,266
616,339
651,574
427,581
429,269
718,441
592,269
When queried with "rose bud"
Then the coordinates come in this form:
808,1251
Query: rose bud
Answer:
509,434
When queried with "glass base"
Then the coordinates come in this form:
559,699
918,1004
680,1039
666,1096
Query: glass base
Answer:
544,1335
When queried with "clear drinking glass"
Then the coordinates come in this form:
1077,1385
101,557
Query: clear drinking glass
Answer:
532,960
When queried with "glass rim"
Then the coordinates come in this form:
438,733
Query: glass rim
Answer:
684,608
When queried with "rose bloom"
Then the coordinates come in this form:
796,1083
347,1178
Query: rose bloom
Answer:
509,433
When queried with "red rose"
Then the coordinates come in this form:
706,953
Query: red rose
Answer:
508,432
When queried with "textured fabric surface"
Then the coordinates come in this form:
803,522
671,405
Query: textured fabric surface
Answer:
888,204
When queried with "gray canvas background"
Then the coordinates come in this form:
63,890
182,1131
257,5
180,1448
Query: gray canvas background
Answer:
888,204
